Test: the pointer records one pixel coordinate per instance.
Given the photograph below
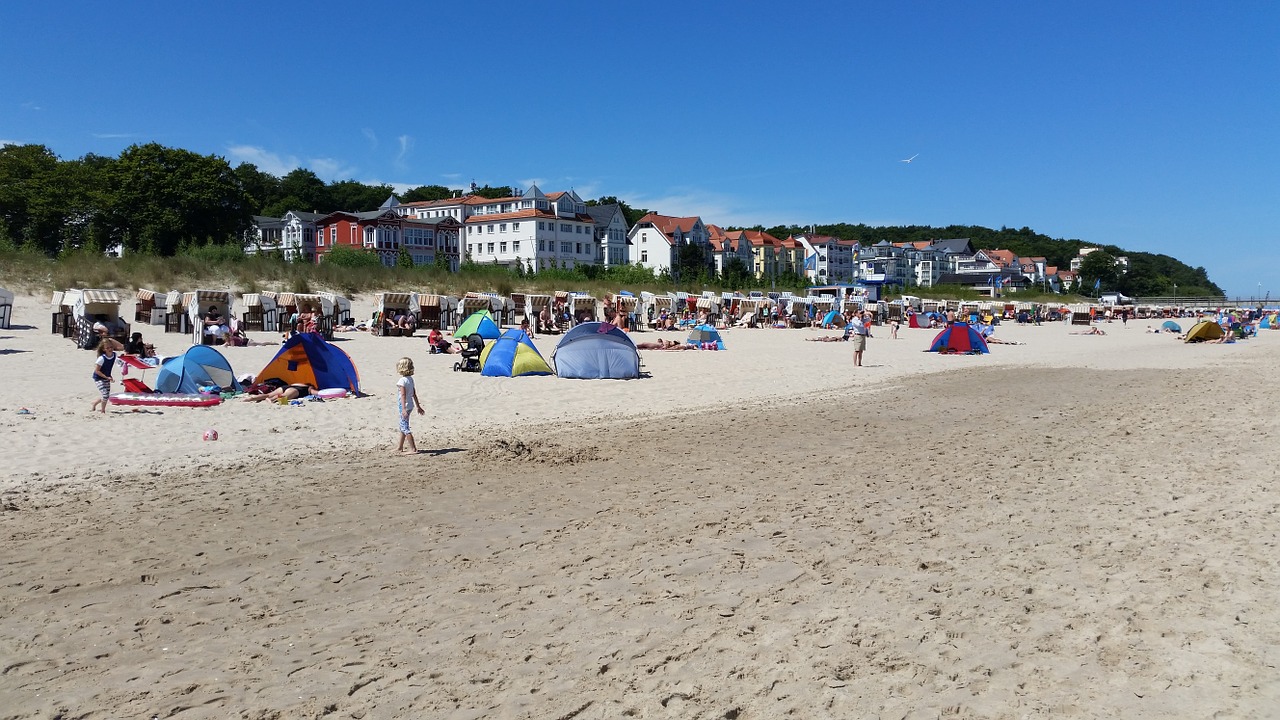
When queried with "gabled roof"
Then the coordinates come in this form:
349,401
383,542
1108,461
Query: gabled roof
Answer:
431,221
603,214
1003,258
306,216
953,245
449,202
390,202
515,215
669,225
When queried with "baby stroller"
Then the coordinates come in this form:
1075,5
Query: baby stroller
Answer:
470,361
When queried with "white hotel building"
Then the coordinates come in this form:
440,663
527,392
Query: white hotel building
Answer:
534,230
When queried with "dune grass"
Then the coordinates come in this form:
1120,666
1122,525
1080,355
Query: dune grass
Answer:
227,268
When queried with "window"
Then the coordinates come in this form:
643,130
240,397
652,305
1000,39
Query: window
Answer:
502,227
502,247
515,247
542,245
515,227
490,231
333,234
566,247
578,250
577,229
540,225
471,248
490,248
644,256
565,227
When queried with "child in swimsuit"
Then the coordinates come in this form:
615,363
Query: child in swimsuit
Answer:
102,368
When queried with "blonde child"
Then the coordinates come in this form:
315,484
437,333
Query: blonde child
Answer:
102,368
407,400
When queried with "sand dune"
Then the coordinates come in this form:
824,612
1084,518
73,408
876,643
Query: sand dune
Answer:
1077,526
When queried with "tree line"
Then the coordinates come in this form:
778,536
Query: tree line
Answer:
160,200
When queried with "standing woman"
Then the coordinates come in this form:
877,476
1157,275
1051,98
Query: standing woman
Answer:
102,368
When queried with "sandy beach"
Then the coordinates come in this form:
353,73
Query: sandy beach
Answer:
1073,526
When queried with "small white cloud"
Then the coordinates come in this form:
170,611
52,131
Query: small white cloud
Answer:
267,162
329,169
400,188
113,136
31,106
370,136
406,145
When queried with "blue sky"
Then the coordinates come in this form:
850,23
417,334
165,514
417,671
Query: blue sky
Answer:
1152,126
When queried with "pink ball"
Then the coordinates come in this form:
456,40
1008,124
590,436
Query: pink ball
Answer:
210,434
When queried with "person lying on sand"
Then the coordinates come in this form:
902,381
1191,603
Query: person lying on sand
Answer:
1090,331
296,391
993,340
829,338
665,345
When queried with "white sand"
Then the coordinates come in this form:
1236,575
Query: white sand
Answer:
1077,526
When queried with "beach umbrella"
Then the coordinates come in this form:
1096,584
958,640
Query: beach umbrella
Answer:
703,335
1171,325
480,323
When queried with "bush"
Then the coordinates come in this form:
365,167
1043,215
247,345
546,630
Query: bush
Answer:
348,257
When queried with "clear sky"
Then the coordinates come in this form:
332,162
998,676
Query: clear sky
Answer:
1154,126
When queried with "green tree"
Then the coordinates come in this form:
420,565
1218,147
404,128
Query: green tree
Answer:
301,190
355,196
1098,267
31,211
493,193
163,196
260,188
427,192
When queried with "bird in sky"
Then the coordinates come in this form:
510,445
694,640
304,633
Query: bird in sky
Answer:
908,160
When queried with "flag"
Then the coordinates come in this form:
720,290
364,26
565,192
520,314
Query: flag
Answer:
1097,283
811,262
999,282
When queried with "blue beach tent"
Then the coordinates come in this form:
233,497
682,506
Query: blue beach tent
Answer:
201,366
704,334
1171,325
513,355
594,351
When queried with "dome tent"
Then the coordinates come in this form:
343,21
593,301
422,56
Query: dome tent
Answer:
512,355
200,366
307,358
596,350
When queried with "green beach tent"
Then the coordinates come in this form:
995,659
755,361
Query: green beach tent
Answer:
480,323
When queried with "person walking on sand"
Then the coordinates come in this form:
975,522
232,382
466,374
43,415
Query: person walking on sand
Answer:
407,400
102,368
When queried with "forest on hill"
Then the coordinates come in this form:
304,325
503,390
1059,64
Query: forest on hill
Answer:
159,200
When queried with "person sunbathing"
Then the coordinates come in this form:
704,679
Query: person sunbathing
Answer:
661,344
829,338
1091,331
295,391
